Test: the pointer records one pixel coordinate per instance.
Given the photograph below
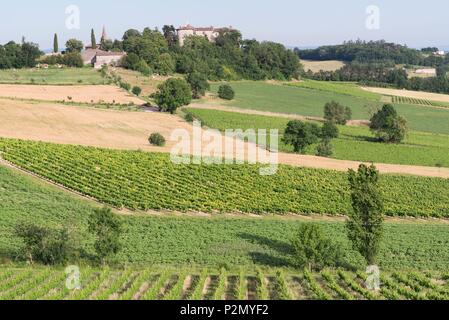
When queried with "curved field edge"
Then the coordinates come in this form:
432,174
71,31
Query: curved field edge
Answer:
205,241
207,284
147,181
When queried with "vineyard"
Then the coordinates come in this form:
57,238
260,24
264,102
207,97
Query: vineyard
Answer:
423,102
142,181
184,284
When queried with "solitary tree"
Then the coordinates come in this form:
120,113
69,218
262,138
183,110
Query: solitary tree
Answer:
301,134
106,228
365,222
55,44
198,83
93,39
173,94
388,126
336,113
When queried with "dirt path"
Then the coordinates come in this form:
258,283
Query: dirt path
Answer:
356,123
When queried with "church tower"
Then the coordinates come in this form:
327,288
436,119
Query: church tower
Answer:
104,36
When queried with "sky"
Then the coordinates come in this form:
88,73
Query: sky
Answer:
291,22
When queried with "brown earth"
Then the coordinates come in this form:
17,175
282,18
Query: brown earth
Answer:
130,130
409,94
84,94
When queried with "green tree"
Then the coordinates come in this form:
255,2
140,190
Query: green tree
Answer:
156,139
199,84
173,94
365,222
55,44
226,92
74,45
107,228
170,35
44,245
388,126
336,113
73,59
325,148
329,131
93,39
301,134
137,90
313,249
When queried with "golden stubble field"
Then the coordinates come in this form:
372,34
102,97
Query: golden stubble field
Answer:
317,66
82,93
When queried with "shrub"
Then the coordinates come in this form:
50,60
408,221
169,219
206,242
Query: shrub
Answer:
73,59
226,92
336,113
156,139
312,249
365,223
189,117
173,94
325,148
143,68
388,126
106,227
125,85
44,245
137,90
301,134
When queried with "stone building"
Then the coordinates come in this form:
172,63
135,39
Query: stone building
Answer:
210,33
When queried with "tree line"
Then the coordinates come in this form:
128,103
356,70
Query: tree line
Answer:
374,52
19,55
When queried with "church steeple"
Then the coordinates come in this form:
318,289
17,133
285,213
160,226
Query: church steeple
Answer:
104,36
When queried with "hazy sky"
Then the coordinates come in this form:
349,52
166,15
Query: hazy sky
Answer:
291,22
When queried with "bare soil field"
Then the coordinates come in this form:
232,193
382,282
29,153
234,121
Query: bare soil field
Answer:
83,93
317,66
130,131
410,94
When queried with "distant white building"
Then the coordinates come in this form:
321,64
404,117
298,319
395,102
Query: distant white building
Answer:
210,33
440,53
426,71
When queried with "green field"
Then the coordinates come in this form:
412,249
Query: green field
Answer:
348,88
207,241
423,102
354,143
191,284
52,76
143,181
310,102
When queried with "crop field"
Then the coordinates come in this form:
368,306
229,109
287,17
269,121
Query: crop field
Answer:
348,88
409,94
66,76
290,99
354,143
143,181
204,284
85,94
317,66
148,84
423,102
207,241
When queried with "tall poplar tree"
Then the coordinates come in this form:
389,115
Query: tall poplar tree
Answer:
55,44
93,39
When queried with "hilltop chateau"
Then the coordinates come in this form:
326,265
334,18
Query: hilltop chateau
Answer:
97,57
210,33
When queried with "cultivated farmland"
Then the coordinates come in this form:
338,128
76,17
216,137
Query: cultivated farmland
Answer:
52,76
317,66
141,181
187,284
86,94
